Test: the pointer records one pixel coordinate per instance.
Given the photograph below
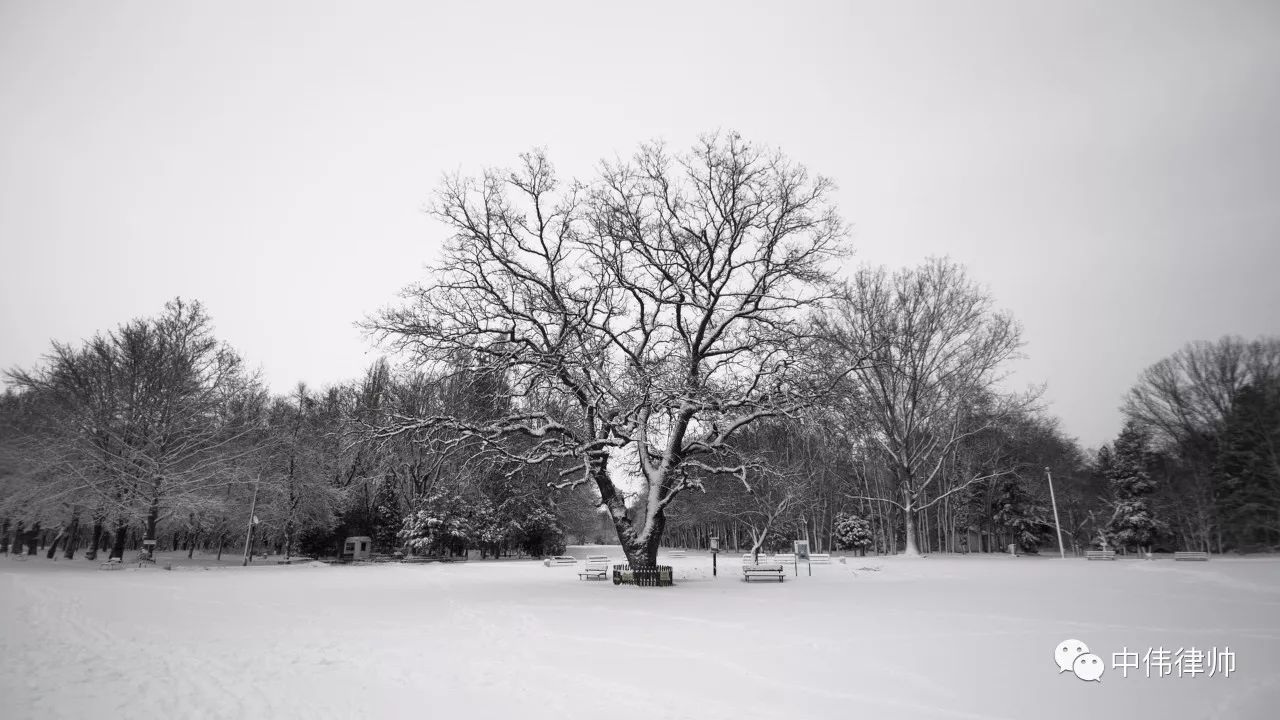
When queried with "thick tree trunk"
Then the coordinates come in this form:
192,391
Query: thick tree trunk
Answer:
19,537
909,518
4,537
73,536
639,554
53,546
33,539
96,543
117,548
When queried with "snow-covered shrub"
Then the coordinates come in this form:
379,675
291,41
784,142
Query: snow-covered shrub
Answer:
441,521
852,532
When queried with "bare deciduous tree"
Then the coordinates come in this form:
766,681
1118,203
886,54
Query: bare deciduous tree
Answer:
1186,395
935,347
1183,400
659,309
146,415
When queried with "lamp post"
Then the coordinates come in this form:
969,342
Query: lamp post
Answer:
715,550
1062,551
253,520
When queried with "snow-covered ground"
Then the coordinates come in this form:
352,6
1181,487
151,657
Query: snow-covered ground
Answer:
942,637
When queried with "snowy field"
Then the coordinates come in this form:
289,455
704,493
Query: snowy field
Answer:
943,637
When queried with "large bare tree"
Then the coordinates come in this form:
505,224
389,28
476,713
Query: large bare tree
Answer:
1185,396
147,416
642,318
1183,401
935,346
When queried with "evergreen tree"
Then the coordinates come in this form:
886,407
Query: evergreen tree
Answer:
1127,471
442,521
853,532
1247,471
388,518
537,532
1016,512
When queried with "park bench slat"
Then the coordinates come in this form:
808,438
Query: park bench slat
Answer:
765,572
1191,555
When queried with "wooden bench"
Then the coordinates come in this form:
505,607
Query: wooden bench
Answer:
560,560
763,572
596,569
114,563
820,558
677,553
784,558
1100,554
1191,555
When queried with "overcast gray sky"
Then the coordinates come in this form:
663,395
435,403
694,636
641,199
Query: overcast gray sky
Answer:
1108,169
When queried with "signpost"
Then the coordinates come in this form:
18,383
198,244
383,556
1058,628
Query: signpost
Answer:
801,548
715,550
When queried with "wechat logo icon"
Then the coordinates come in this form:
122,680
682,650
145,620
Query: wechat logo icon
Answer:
1074,656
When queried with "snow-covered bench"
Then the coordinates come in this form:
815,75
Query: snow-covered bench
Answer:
763,572
784,558
677,553
560,560
1191,555
114,563
820,558
597,568
1100,554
